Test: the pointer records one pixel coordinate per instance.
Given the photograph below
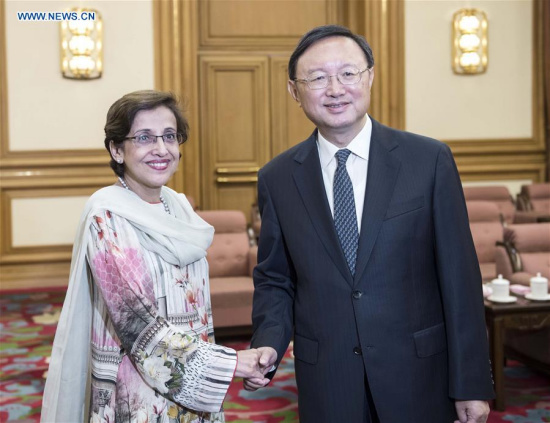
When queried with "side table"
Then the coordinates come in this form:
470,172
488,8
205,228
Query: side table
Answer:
523,315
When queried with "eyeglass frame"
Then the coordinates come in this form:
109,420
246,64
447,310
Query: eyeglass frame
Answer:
178,135
337,75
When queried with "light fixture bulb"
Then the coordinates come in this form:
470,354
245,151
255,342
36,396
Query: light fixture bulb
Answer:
469,42
469,23
471,59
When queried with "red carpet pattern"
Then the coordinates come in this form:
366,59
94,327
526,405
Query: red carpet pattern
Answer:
27,327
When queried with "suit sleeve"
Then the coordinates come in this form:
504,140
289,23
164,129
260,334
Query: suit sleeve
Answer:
461,287
272,314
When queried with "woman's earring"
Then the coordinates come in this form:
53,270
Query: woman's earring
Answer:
119,160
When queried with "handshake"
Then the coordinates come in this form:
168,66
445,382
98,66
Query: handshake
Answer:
253,365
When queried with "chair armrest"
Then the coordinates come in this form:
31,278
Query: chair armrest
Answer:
252,259
514,259
530,216
523,203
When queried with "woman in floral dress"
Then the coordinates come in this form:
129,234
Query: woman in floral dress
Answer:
135,338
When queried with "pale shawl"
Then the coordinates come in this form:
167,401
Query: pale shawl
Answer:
179,238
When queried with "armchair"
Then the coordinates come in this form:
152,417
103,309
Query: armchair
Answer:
525,252
504,201
486,231
231,259
535,197
499,195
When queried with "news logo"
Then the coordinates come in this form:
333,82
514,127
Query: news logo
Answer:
74,15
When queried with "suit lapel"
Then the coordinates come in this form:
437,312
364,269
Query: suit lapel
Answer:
309,181
383,169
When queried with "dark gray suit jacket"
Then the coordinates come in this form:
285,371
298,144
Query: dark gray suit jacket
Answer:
411,320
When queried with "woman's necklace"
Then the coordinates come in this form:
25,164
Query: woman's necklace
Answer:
162,200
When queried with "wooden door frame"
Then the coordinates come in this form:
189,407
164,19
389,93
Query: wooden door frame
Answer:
175,32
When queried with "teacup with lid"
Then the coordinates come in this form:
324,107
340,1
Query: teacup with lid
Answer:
501,291
539,288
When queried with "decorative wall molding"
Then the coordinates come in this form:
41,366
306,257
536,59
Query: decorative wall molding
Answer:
502,167
34,275
279,33
10,254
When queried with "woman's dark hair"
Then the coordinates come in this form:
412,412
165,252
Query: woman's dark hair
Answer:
121,114
320,33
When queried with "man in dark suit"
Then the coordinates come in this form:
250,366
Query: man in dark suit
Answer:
366,258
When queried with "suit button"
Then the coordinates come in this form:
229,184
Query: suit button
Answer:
357,351
357,294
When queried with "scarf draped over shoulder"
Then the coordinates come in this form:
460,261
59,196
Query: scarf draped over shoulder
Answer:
180,238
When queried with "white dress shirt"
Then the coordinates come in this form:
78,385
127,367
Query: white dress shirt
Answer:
356,166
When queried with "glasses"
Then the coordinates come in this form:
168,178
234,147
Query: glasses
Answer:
320,80
145,140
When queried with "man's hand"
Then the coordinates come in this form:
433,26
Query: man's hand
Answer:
266,360
472,411
248,364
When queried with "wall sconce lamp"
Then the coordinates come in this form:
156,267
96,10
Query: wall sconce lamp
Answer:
469,42
82,44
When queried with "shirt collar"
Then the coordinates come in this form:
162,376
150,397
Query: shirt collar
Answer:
359,146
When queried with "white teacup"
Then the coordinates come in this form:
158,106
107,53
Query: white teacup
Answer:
501,288
539,286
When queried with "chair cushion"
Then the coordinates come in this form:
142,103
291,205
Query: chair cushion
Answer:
229,253
495,194
538,195
488,271
534,191
486,231
485,237
530,237
482,211
536,262
225,221
231,292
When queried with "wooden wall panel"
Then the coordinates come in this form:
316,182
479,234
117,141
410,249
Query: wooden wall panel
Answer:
43,253
176,70
234,126
230,196
44,265
382,23
289,123
275,24
495,167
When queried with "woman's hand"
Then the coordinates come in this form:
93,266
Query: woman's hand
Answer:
248,364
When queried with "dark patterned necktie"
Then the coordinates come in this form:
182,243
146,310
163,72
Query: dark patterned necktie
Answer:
345,217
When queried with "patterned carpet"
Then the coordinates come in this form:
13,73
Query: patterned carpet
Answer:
27,326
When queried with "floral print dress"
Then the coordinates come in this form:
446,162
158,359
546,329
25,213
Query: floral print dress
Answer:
153,356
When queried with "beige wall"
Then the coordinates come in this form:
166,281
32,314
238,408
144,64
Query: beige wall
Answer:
49,112
496,104
55,224
44,186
